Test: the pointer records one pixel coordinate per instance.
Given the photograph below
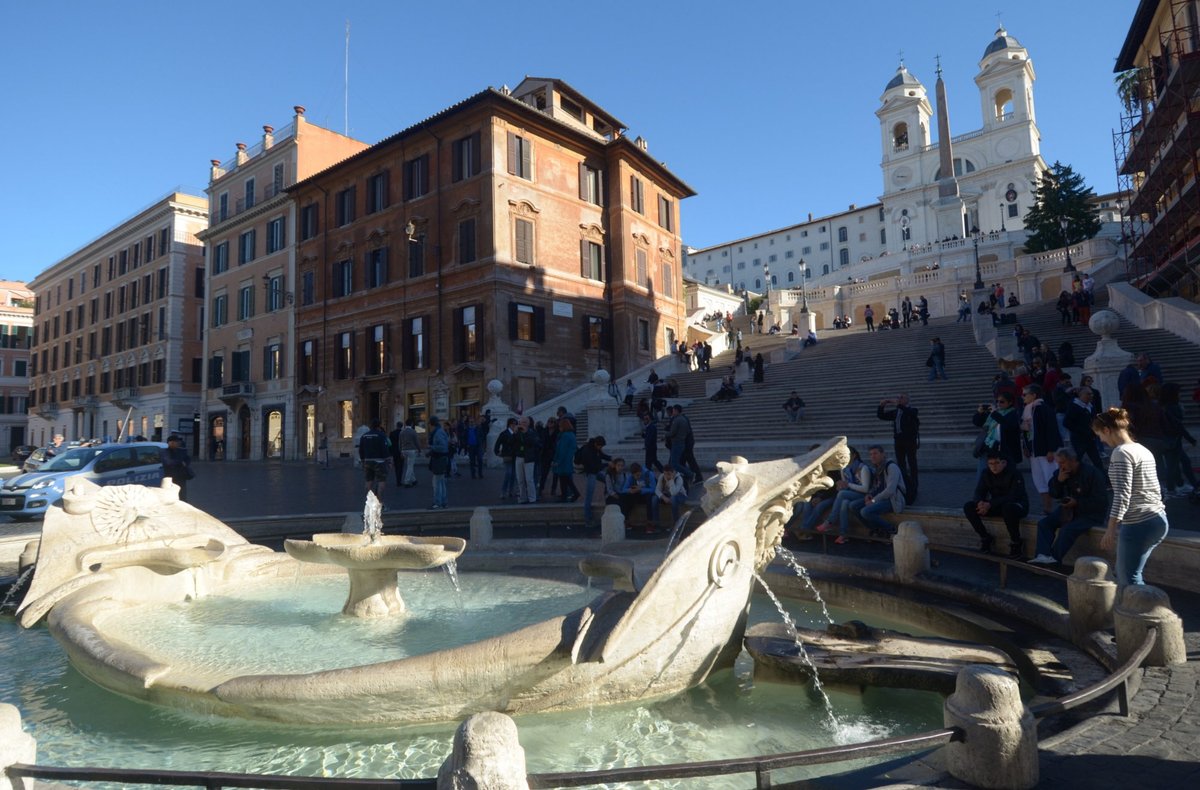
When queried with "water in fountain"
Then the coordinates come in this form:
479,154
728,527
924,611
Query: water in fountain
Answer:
373,518
802,572
451,569
9,604
678,528
831,719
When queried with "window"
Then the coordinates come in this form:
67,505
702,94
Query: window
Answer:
344,366
824,245
416,257
466,341
246,247
216,371
843,235
668,280
825,270
844,256
789,254
526,322
416,177
591,187
772,258
346,411
641,269
343,278
272,362
741,264
277,178
591,264
665,214
377,267
524,241
163,280
145,337
594,334
377,350
308,362
377,192
276,235
223,206
220,311
249,192
344,206
520,156
1012,210
414,343
466,241
246,302
466,153
883,236
643,334
309,225
198,283
122,261
274,293
900,137
637,197
791,277
240,369
308,288
164,241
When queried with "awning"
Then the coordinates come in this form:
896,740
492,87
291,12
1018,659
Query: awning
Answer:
463,403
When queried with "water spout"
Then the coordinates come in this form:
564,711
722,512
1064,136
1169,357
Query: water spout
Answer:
802,572
373,518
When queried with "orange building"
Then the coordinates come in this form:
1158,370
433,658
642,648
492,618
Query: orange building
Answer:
517,236
16,335
249,397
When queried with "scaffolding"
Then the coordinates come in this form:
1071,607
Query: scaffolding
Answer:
1157,155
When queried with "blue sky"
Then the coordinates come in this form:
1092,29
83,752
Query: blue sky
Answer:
765,108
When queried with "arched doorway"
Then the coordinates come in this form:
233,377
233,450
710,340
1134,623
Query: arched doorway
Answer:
273,433
244,432
216,437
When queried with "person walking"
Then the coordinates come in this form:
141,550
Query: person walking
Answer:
650,441
564,461
869,318
177,464
374,452
1137,520
410,448
937,360
397,453
906,435
758,368
593,460
439,461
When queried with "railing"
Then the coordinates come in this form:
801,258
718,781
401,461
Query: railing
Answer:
1118,680
208,779
241,205
240,388
125,393
279,135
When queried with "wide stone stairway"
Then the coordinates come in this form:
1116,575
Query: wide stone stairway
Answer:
843,378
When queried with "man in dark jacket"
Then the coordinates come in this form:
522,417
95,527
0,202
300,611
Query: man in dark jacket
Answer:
650,442
1044,438
506,450
1078,422
592,458
1082,498
906,432
1000,493
529,450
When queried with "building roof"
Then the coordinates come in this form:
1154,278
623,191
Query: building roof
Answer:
1138,29
1002,42
903,77
596,109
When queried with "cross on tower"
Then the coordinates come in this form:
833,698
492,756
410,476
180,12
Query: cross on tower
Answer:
938,60
901,53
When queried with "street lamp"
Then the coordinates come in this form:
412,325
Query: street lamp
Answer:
1062,223
803,286
978,274
1002,228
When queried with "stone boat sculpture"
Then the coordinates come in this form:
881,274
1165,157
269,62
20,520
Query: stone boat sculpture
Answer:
110,548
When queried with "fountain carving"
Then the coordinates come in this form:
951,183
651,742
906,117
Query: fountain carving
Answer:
108,549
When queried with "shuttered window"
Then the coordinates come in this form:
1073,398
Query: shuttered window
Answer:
520,156
526,322
467,158
591,184
591,260
642,275
466,241
665,214
637,196
524,241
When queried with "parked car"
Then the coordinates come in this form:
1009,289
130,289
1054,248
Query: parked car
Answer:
21,452
35,460
30,495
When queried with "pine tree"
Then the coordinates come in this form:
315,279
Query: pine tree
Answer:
1061,193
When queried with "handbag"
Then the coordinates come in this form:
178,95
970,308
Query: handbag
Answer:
929,362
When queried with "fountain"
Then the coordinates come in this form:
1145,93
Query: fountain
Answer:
373,559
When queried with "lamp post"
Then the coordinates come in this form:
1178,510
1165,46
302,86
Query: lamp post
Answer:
978,273
803,286
1070,267
1002,228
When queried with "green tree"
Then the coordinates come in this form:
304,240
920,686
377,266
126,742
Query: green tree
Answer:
1060,194
1132,88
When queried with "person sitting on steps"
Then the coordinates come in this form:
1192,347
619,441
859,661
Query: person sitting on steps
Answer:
1000,493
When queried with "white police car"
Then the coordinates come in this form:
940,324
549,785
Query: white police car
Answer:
30,495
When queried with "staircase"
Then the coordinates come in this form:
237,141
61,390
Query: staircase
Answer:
843,378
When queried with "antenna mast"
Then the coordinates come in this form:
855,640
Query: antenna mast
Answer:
346,85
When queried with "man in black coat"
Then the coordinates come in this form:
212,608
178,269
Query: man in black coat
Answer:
1082,496
906,433
1000,493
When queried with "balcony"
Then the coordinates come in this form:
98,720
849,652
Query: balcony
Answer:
84,402
237,391
47,410
124,397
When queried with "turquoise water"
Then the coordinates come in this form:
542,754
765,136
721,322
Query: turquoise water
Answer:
77,723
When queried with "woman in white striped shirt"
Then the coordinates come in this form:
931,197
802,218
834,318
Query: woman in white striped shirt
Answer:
1137,520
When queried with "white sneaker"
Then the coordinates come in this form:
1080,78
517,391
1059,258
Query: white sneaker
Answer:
1043,559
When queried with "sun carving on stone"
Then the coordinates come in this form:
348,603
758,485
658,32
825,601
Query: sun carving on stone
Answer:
122,513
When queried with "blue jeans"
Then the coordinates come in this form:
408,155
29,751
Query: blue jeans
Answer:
871,514
509,486
938,369
1134,544
589,489
1055,538
676,505
810,514
841,508
439,490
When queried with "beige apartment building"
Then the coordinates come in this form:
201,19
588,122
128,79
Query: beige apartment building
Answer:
16,334
117,341
249,399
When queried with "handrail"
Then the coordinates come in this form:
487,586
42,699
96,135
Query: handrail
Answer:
209,779
1118,678
760,765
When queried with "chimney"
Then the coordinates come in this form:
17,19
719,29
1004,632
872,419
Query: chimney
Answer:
641,143
810,216
215,172
298,121
268,136
242,158
853,206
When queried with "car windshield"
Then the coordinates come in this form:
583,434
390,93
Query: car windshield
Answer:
71,460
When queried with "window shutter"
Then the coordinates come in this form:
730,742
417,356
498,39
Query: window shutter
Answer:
407,357
583,181
459,336
584,259
600,199
522,242
387,189
527,160
383,267
479,332
512,320
539,325
513,164
476,154
457,169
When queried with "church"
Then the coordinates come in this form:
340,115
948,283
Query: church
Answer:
978,182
